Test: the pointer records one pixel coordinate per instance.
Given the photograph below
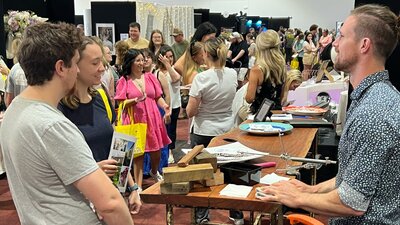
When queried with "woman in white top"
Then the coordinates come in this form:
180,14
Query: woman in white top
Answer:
166,60
211,96
210,101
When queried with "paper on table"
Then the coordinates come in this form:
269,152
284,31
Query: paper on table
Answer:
234,190
280,117
250,117
234,152
272,178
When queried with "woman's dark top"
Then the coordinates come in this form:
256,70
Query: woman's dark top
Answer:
270,91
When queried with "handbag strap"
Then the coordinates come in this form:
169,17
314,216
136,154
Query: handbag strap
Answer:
106,103
121,109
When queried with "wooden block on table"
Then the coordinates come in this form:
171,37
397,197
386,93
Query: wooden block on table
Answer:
218,179
194,172
181,188
190,155
206,157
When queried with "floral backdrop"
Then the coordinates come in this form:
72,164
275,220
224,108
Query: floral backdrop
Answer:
15,22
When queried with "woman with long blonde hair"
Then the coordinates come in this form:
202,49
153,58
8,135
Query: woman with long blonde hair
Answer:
193,62
293,81
267,76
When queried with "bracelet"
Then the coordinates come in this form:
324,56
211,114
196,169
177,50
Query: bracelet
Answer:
132,188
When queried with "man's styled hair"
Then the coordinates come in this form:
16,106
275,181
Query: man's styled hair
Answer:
43,45
379,24
313,27
135,24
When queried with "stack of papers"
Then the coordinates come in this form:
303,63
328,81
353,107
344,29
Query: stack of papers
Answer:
234,190
272,178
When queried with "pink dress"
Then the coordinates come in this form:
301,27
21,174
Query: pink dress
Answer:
145,111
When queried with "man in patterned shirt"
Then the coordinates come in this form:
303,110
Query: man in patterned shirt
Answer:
366,188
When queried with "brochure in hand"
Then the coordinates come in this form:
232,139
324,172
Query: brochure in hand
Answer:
122,147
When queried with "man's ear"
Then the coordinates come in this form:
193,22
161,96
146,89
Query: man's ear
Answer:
365,45
60,67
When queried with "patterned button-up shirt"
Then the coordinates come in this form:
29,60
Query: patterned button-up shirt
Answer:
369,153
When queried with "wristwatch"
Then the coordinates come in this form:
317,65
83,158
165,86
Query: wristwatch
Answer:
132,188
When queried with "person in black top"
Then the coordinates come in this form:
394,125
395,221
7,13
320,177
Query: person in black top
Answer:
239,55
268,74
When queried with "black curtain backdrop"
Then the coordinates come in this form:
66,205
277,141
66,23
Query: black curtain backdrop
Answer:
55,10
121,14
220,21
201,16
78,19
275,23
233,22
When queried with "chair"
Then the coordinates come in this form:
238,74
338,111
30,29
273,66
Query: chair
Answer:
302,219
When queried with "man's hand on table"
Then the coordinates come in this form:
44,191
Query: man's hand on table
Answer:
285,192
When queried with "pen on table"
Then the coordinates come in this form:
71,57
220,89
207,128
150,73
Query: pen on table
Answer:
302,117
280,115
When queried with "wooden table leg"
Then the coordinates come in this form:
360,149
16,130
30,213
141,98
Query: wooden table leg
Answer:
257,221
170,214
272,218
193,216
280,215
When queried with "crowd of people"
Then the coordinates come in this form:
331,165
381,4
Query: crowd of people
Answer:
57,130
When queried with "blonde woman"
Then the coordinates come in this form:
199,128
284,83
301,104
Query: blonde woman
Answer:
193,60
268,73
293,81
210,102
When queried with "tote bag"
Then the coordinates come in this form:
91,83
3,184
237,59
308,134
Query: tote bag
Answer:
138,130
294,64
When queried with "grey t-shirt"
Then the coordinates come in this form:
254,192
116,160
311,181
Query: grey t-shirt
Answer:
16,80
44,155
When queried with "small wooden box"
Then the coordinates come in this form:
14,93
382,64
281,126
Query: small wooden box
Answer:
194,172
181,188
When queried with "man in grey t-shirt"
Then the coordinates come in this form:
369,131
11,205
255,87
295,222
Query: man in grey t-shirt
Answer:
16,83
50,168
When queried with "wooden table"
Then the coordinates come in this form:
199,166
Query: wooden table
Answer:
296,143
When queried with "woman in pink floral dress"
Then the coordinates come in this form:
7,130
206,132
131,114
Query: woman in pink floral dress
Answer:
143,93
